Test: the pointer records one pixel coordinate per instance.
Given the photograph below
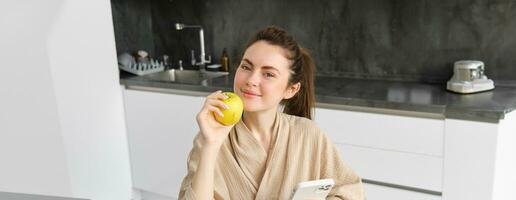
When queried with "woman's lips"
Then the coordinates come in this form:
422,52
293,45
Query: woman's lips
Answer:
249,94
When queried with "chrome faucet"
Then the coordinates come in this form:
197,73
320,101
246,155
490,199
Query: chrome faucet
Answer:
203,60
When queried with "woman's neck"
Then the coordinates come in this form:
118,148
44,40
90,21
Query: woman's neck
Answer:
261,122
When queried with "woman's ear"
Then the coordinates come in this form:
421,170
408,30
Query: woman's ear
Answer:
292,90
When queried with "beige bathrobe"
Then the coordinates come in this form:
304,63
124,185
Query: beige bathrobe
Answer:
299,151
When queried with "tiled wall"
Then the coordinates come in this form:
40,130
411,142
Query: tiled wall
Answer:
386,39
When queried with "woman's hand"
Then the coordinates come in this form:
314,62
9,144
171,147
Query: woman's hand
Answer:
213,132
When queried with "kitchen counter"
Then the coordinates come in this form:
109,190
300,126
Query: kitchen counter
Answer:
333,92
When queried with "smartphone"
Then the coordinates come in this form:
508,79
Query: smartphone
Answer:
313,190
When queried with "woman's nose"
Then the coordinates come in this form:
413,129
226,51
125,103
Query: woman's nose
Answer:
253,79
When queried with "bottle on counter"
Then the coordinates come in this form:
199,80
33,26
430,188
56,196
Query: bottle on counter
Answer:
224,61
166,61
181,65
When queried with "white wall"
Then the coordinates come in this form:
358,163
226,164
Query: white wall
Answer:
62,129
32,157
84,69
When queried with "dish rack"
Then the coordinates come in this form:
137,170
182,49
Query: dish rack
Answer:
142,68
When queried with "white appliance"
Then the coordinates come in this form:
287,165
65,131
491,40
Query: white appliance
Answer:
468,77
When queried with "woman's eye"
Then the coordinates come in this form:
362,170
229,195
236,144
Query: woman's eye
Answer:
269,75
245,67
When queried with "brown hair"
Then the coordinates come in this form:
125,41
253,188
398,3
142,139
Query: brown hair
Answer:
302,70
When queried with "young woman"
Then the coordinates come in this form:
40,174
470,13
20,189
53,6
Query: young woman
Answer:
267,153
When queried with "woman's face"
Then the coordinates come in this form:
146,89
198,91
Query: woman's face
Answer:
262,77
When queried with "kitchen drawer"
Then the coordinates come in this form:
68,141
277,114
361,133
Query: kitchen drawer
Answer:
382,131
379,192
398,168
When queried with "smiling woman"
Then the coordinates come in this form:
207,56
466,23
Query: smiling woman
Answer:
268,152
262,77
283,59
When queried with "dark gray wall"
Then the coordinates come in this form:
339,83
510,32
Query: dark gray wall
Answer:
133,25
387,39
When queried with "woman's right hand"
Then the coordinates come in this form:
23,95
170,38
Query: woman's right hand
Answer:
213,132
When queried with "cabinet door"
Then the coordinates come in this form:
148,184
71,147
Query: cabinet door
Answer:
392,149
390,132
160,128
400,168
380,192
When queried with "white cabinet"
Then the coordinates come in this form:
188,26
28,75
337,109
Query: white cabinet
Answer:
160,128
479,159
400,168
399,150
389,132
425,158
389,193
400,157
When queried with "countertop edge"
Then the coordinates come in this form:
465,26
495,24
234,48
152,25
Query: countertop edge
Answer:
339,103
437,111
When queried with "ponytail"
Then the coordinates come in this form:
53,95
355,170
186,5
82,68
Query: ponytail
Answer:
303,103
303,69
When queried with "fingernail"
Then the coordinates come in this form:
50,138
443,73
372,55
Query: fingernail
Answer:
226,106
222,115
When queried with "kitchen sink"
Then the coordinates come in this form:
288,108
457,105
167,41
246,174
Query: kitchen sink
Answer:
185,76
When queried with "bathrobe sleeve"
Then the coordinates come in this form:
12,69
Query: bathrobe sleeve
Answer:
186,192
